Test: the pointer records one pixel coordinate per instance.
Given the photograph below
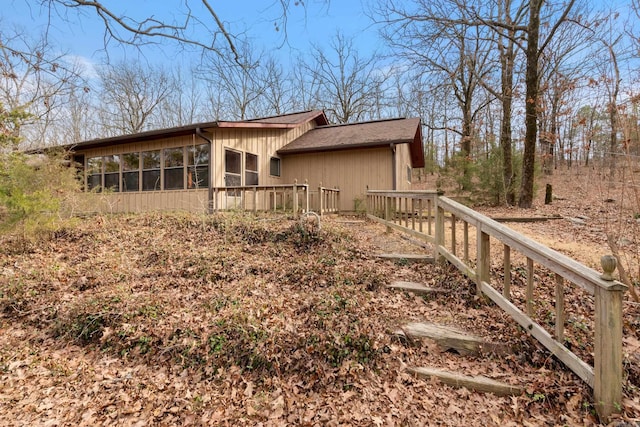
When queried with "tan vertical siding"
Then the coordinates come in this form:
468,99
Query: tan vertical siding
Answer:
263,142
403,159
350,170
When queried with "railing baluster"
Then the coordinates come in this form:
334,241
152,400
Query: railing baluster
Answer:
506,287
453,234
529,287
429,217
466,242
559,308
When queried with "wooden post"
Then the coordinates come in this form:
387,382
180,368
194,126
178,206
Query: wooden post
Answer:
255,199
484,259
306,192
337,199
429,215
406,212
439,233
548,194
420,216
506,287
321,197
529,287
413,213
387,212
607,388
559,308
295,198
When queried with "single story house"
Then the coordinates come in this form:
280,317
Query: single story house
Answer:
184,167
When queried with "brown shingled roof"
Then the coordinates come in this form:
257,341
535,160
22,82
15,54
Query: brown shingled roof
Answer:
361,135
293,118
284,121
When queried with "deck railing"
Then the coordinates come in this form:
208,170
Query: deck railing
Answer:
452,228
277,198
329,199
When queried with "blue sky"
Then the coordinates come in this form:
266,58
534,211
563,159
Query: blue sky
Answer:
81,35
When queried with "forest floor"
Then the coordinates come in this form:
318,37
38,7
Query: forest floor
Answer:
177,319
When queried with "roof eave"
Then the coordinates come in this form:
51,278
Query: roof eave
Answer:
374,144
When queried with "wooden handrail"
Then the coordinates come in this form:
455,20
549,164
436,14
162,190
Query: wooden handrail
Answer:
605,377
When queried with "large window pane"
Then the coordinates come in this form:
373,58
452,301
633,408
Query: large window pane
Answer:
174,179
232,180
150,170
198,155
112,172
112,181
94,173
94,181
131,172
173,168
198,161
112,163
232,162
251,162
150,160
198,177
251,169
173,157
151,180
131,181
131,162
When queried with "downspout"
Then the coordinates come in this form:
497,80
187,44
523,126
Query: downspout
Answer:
393,165
210,196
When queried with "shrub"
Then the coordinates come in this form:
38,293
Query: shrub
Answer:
37,192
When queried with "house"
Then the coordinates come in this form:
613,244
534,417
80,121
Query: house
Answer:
193,167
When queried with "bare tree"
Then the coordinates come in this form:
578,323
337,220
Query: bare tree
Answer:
348,84
130,95
188,23
240,82
35,80
452,51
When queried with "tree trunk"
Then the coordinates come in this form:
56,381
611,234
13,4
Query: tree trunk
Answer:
507,56
531,120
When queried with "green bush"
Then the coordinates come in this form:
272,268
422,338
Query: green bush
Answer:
38,193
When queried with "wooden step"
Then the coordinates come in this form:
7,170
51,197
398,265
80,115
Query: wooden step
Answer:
449,338
417,288
408,258
475,383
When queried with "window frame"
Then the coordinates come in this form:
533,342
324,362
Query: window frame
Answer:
126,171
90,173
279,165
196,168
171,172
158,185
232,174
253,173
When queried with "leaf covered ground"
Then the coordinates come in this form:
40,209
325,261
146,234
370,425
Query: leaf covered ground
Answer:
242,320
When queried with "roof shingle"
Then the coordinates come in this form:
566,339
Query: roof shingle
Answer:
361,135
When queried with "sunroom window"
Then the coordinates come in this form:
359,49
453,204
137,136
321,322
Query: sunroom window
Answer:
112,172
151,170
251,169
174,168
198,161
94,173
232,168
131,172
